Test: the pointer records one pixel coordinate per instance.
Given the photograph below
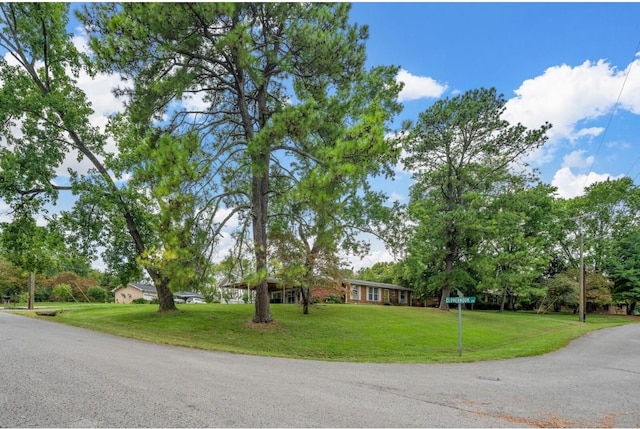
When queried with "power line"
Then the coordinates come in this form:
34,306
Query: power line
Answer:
613,110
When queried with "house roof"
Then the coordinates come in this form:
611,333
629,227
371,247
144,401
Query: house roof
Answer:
184,295
355,282
274,281
144,287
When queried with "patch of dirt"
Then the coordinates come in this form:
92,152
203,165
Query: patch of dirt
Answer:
551,421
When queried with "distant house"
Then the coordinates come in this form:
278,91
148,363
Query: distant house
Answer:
135,290
146,291
366,292
349,291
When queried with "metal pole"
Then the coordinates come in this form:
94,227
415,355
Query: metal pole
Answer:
459,329
460,296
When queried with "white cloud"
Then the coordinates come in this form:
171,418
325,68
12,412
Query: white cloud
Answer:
576,159
80,39
565,95
222,213
416,87
223,247
5,211
572,185
397,197
374,256
618,145
568,97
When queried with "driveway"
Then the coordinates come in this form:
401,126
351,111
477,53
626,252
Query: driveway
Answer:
54,375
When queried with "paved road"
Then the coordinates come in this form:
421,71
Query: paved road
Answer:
52,375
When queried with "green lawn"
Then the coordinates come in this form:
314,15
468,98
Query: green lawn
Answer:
340,332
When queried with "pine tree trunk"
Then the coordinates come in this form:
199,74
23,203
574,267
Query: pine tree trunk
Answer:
260,189
448,267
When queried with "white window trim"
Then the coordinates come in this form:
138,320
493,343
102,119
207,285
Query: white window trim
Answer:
369,294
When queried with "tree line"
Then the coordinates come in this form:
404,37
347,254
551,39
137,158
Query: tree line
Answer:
521,245
263,120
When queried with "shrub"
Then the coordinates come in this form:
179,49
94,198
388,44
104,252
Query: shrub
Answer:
63,292
210,293
42,294
139,301
333,299
97,293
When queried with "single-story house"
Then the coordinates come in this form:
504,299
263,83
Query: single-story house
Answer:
147,291
349,291
367,292
135,290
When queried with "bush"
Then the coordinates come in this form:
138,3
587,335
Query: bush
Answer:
97,293
42,294
23,298
333,299
139,301
63,292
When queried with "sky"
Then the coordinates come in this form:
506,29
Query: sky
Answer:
574,65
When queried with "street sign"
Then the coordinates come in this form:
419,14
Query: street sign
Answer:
460,300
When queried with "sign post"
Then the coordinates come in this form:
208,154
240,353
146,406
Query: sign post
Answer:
460,299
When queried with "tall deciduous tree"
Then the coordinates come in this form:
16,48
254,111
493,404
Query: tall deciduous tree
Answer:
30,247
258,82
609,209
624,269
459,150
45,117
517,243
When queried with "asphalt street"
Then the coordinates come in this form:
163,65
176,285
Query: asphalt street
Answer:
52,375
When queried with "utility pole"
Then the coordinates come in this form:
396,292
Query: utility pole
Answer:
581,276
31,286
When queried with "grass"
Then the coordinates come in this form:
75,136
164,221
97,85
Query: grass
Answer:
340,332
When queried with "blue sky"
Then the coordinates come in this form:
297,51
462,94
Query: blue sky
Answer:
561,62
572,64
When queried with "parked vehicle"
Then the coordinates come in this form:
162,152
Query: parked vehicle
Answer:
196,300
178,300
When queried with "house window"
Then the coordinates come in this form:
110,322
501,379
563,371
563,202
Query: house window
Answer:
403,297
374,294
355,293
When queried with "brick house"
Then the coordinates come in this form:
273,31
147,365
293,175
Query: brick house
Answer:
350,291
366,292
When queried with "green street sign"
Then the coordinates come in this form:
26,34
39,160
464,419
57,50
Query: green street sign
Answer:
459,300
